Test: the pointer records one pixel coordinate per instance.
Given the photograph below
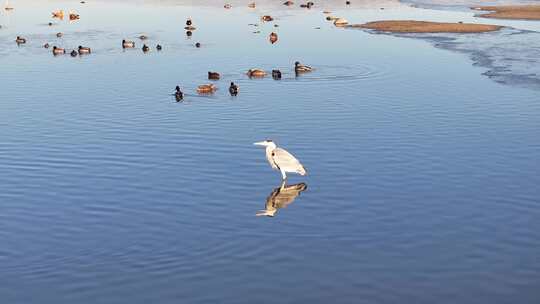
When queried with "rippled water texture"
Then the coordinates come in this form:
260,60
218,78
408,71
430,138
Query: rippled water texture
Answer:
422,182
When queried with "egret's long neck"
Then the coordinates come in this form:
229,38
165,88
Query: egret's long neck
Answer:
269,150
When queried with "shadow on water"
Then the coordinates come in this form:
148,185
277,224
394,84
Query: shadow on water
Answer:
281,197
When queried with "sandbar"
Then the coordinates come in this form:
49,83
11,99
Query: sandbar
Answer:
412,26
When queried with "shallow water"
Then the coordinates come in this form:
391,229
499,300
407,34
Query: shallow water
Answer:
423,173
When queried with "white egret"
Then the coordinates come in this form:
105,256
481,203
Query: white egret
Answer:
281,160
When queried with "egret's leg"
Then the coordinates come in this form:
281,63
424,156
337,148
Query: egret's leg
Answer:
283,183
283,175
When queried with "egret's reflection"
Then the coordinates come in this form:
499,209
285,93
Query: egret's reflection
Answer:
281,197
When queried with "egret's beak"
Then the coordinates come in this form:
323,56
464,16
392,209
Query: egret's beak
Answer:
261,143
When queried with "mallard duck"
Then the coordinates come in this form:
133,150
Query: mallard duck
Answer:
276,74
58,14
84,50
20,40
273,38
300,68
145,48
213,76
233,89
189,22
178,94
59,35
74,16
256,73
341,22
73,53
206,89
158,47
198,45
128,44
267,18
58,51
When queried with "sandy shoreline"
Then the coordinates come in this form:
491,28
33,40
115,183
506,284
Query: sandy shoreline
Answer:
527,12
411,26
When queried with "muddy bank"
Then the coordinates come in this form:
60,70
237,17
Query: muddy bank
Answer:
527,12
411,26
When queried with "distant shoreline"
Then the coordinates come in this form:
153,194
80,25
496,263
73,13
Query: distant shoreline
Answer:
523,12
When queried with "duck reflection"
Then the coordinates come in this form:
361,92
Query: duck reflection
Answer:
281,197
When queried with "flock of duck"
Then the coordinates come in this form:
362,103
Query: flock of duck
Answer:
233,88
204,88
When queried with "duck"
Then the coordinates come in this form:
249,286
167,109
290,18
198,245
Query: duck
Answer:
233,89
143,37
267,18
252,5
20,40
128,44
300,68
73,53
189,25
206,89
145,48
158,47
58,14
74,16
341,22
198,45
84,50
213,76
59,35
256,73
189,33
178,94
46,45
347,2
227,6
276,74
58,51
273,38
288,3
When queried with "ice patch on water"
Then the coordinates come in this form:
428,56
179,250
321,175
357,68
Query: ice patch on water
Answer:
510,55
